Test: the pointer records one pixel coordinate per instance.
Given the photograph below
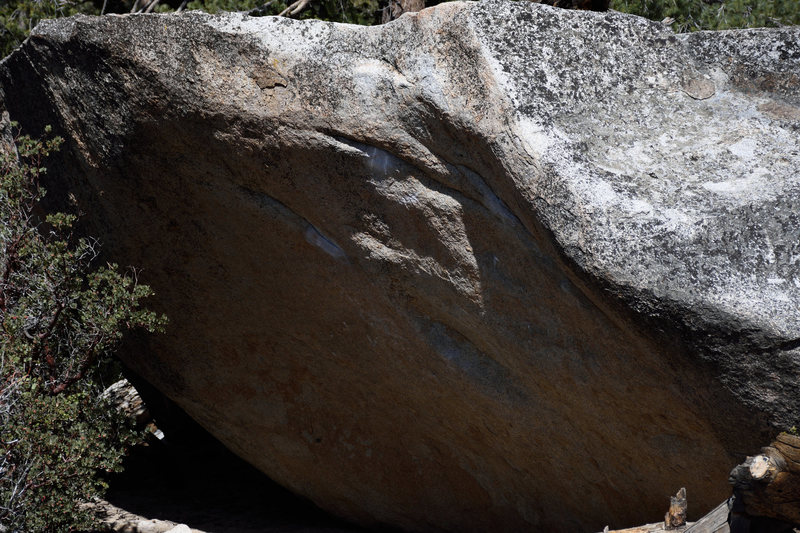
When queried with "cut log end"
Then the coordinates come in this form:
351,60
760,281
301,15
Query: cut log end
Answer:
760,467
676,515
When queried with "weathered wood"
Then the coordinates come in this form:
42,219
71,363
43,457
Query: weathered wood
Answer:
714,522
769,484
766,497
659,528
647,528
763,468
676,515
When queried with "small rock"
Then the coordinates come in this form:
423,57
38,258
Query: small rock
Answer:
160,526
126,399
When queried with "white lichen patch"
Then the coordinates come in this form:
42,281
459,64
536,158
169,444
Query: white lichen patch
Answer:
745,148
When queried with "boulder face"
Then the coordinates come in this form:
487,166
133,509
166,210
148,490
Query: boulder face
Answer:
491,267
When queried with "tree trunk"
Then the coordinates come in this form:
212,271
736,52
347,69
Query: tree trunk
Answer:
398,7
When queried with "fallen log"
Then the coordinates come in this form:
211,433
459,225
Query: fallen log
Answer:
768,484
714,522
675,520
657,527
766,497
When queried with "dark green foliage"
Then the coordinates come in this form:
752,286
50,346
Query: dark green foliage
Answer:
61,444
216,6
691,15
365,12
18,17
60,319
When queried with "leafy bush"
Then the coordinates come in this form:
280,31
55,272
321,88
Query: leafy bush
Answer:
691,15
364,12
60,319
18,17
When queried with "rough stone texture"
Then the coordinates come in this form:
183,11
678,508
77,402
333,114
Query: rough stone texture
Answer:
493,266
127,400
113,519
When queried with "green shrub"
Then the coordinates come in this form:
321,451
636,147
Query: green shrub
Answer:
691,15
365,12
18,17
60,319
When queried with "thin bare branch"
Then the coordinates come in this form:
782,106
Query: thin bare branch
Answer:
294,8
151,6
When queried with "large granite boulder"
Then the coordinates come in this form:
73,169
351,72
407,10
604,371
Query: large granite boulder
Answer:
491,267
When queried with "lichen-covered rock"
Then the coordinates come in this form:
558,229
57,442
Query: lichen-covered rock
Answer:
493,266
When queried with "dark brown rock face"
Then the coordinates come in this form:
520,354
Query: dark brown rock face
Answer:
491,267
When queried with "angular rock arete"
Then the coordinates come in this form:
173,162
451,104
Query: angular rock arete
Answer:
493,266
